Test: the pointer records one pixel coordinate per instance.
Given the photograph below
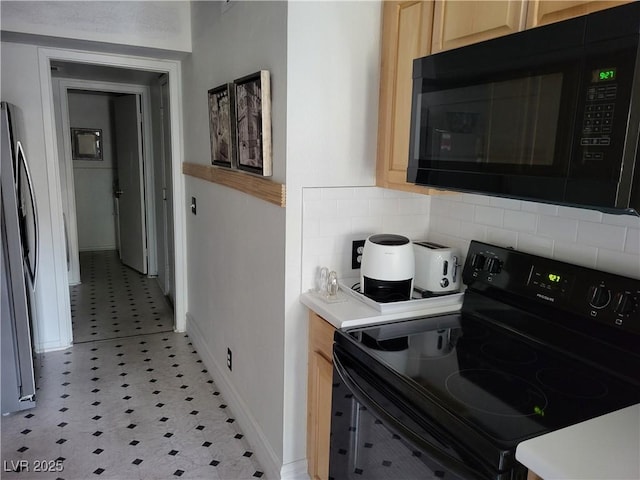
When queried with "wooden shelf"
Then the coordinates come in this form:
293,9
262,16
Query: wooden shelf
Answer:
259,187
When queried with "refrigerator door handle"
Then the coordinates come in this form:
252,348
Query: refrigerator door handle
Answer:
33,269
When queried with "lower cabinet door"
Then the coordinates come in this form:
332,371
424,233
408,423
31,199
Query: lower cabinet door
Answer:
320,387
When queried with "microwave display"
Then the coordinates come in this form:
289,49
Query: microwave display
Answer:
604,75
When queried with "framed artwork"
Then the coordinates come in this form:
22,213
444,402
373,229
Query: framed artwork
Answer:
222,132
86,143
253,123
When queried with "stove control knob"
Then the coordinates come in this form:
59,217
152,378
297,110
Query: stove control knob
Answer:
599,297
624,304
494,265
477,261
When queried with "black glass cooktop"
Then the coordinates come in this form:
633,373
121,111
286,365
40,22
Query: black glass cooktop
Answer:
491,380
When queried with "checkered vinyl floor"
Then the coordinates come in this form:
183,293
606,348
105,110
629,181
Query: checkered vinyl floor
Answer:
138,407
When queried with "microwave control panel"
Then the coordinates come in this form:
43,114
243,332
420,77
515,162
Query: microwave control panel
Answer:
597,123
603,102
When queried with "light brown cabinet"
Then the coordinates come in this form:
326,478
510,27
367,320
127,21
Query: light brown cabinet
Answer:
459,23
319,388
406,35
413,29
543,12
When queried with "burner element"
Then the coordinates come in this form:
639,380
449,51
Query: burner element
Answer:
496,393
572,383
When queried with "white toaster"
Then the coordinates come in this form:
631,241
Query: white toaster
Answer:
436,268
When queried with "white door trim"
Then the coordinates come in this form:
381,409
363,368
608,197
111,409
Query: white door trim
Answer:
149,194
173,68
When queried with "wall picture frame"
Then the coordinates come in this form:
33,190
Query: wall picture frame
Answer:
86,144
253,123
222,125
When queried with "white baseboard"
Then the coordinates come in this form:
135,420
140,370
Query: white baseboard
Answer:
256,438
51,347
295,471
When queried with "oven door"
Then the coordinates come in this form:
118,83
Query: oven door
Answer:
375,434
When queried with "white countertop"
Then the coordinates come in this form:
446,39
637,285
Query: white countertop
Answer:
353,313
606,447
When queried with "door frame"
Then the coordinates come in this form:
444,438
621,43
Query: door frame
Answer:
168,252
147,156
173,69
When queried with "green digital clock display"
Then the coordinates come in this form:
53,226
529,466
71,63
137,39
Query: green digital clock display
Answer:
604,74
554,277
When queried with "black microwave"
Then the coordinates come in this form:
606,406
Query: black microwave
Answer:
550,114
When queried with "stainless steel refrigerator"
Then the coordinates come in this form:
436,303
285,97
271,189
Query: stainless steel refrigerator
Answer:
19,268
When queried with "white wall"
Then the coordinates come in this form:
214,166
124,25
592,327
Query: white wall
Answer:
93,180
584,237
333,65
161,25
235,243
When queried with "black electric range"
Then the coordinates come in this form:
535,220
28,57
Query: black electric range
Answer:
538,345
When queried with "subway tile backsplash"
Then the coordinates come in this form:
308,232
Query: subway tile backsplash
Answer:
581,236
333,217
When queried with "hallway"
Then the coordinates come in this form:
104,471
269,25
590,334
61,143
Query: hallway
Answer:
138,407
115,301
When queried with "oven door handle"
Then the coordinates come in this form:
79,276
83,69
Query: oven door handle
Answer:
447,461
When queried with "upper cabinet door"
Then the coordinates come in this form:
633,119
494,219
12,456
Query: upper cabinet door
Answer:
543,12
459,23
406,35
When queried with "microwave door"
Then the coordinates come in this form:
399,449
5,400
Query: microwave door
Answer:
508,124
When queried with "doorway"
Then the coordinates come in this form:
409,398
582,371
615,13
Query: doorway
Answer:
60,310
115,207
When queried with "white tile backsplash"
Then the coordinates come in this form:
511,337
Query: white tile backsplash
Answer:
632,242
520,221
500,236
334,217
558,228
581,236
574,253
492,216
602,236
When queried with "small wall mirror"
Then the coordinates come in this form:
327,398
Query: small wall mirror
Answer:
86,143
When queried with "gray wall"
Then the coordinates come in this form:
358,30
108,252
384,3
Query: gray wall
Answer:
236,242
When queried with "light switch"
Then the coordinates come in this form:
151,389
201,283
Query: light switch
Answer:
193,205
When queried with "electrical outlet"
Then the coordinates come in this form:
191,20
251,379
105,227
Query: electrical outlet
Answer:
357,247
229,359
